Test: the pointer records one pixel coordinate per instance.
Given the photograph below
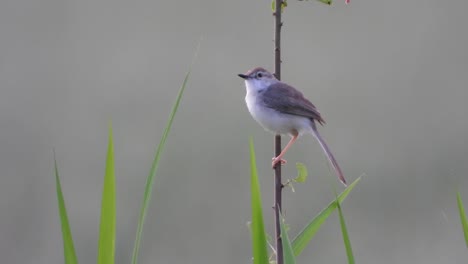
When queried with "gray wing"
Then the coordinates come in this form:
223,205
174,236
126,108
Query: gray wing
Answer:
286,99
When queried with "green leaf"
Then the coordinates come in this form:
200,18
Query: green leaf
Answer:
259,242
288,253
327,2
301,172
154,167
68,248
463,219
344,231
284,4
106,250
309,231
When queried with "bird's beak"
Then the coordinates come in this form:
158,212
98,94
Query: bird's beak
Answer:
243,76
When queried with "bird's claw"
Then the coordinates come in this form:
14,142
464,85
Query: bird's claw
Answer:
277,160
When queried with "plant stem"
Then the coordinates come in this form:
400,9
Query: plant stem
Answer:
278,182
277,207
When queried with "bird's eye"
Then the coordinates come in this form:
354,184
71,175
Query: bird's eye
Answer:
259,75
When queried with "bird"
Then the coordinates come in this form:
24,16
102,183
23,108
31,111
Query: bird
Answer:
283,110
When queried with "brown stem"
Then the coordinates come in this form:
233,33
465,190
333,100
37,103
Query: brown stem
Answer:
277,207
278,182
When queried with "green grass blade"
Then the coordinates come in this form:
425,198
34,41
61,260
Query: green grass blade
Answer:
309,231
259,242
463,219
344,231
106,247
68,247
288,253
155,164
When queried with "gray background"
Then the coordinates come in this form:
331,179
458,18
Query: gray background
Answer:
388,76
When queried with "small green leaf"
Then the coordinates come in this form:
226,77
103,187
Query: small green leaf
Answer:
344,231
288,253
309,231
68,248
327,2
284,4
106,250
259,242
301,172
463,218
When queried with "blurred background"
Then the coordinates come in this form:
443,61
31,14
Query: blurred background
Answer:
388,76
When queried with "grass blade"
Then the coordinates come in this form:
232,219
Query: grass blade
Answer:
344,231
309,231
463,219
288,253
155,164
106,250
68,247
259,242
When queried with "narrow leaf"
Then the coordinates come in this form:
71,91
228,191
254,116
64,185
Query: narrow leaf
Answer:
344,231
259,242
309,231
154,167
288,253
463,218
106,250
68,247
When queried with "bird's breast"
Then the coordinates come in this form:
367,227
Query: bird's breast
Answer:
275,121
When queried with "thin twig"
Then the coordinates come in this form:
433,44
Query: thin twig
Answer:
278,183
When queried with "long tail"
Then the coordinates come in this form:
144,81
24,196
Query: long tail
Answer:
330,156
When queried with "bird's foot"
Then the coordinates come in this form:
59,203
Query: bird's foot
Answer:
277,160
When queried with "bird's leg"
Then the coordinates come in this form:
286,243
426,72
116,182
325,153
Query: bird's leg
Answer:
280,156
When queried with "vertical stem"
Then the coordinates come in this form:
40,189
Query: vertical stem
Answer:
278,194
278,182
